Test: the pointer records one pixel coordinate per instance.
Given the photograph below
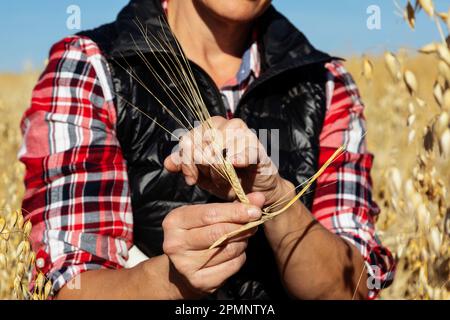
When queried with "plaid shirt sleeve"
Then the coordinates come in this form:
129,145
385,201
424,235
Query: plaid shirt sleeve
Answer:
77,193
343,202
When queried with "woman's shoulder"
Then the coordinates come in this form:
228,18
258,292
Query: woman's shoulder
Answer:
75,47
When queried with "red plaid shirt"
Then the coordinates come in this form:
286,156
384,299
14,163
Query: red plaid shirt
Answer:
77,193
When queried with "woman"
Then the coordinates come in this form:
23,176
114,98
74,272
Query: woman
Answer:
101,176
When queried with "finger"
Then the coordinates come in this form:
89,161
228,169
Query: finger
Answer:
220,255
197,152
218,274
203,238
245,158
188,167
190,174
246,151
213,143
196,216
218,121
173,163
235,123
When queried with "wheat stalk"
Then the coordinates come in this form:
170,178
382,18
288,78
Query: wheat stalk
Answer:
271,215
411,182
180,69
21,257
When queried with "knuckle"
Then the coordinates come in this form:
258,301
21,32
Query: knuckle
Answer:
239,123
215,233
232,250
182,142
218,119
186,145
170,246
168,222
172,219
210,216
240,212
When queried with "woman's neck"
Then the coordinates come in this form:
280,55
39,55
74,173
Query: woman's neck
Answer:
215,45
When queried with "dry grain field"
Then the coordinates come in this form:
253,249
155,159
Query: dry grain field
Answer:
407,98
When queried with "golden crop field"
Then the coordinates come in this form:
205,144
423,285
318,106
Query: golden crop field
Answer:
419,242
411,174
407,98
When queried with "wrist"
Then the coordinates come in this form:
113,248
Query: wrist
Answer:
172,285
284,190
289,223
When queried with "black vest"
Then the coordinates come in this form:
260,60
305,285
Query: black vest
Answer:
289,95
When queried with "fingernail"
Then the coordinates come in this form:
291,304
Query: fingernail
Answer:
254,212
190,181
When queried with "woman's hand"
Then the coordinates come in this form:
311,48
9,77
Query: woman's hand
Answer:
190,230
201,151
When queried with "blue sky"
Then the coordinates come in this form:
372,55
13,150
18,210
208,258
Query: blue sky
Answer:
29,27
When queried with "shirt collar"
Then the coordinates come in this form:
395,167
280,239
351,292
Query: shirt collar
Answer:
250,65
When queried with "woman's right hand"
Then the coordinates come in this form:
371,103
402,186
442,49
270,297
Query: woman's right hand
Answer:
190,230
